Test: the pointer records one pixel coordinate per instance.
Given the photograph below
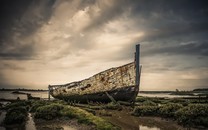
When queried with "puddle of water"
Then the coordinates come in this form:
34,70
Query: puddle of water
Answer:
128,122
54,126
68,127
147,128
57,124
30,124
10,95
2,116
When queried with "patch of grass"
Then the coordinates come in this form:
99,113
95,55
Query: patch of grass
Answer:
113,106
26,104
140,99
201,101
156,100
189,115
168,110
105,113
146,111
16,112
90,110
67,112
193,115
49,112
36,104
16,115
148,103
88,118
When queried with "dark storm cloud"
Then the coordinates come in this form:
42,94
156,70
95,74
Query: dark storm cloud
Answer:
24,52
10,11
191,48
22,18
176,30
162,19
13,13
166,24
158,19
160,14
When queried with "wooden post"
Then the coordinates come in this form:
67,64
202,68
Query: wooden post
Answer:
137,65
138,72
49,87
111,98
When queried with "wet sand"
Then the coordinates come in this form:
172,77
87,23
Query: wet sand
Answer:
61,124
2,116
38,124
126,121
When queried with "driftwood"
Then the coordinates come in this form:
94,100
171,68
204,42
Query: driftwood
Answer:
30,97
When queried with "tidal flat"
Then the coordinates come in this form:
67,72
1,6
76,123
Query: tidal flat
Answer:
148,113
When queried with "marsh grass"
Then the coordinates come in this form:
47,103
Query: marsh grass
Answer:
145,111
16,113
51,111
193,114
168,110
25,104
89,118
188,112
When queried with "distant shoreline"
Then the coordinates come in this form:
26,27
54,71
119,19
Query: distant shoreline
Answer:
23,89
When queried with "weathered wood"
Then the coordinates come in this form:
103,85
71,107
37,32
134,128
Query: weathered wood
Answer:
120,83
49,87
111,98
137,65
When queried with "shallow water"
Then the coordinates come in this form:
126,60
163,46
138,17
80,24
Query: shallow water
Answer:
164,95
68,127
128,122
30,124
147,128
55,127
10,95
2,116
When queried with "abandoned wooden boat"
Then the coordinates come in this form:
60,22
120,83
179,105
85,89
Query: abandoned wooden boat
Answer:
119,84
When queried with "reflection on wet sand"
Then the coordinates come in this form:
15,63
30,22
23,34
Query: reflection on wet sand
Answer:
128,122
2,116
30,125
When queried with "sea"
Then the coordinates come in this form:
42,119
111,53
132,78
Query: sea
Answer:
10,95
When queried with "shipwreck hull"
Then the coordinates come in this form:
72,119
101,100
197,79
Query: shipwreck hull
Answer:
121,94
118,84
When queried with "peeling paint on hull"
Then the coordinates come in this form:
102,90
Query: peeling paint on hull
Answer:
121,94
118,82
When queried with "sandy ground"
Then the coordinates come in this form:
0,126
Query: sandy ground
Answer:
61,124
126,121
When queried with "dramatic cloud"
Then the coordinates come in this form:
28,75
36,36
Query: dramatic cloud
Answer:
59,41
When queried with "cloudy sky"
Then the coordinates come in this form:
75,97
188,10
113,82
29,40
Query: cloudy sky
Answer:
59,41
